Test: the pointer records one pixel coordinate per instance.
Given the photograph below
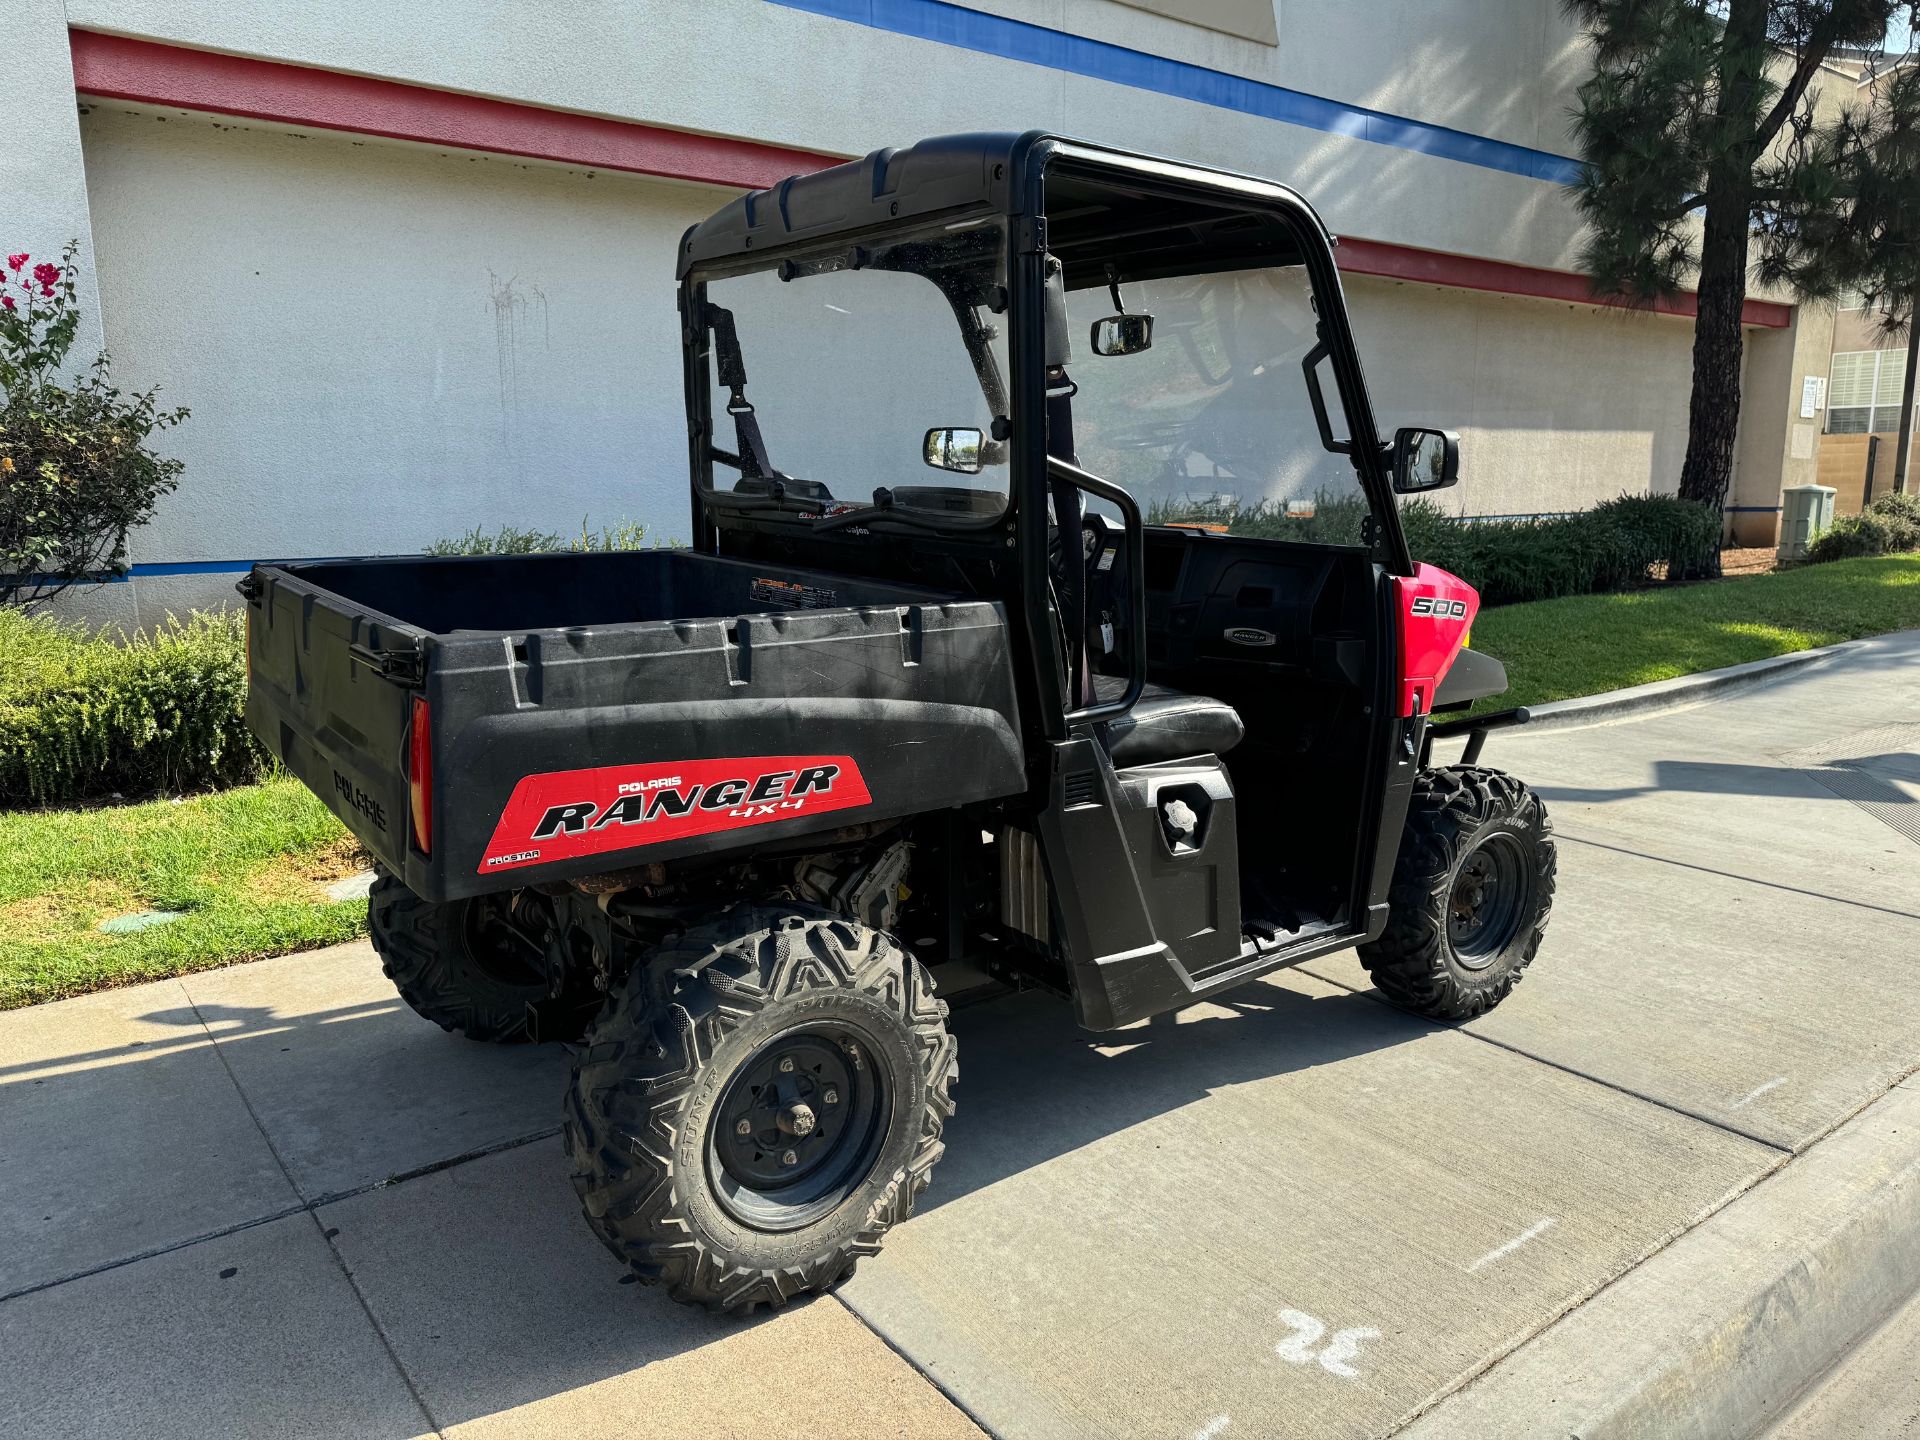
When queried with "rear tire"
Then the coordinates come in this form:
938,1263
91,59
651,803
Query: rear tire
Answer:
745,1137
1472,892
455,963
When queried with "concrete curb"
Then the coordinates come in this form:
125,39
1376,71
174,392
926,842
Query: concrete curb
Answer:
1675,693
1719,1333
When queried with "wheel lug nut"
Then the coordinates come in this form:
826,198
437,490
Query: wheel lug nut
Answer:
831,1097
788,1157
745,1127
786,1067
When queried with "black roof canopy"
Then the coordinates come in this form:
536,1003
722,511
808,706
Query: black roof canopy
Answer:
1104,206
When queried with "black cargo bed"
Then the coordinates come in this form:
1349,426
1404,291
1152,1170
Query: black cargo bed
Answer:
587,712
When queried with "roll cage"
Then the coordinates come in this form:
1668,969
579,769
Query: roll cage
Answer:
1061,202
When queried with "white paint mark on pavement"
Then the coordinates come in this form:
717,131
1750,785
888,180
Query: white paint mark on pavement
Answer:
1344,1347
1501,1252
1215,1427
1757,1091
1297,1348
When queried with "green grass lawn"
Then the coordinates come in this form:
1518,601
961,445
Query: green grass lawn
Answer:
246,868
1557,649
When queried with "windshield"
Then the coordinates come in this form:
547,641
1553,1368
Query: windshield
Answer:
867,376
1212,423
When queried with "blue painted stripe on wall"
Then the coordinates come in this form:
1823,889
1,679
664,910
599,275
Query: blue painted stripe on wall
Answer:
192,567
956,25
163,568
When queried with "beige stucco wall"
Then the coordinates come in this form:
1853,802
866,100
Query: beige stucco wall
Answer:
1558,406
382,344
1778,447
404,342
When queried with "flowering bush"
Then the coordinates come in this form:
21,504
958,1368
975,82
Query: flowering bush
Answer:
75,471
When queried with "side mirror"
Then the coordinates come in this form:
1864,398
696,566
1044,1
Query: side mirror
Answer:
1122,335
952,449
1424,460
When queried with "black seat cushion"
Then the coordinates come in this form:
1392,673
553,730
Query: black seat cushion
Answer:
1166,724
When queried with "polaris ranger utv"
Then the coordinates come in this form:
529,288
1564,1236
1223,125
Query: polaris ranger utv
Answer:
926,696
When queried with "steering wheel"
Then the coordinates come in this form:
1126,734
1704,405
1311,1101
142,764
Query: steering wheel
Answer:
1095,534
1149,435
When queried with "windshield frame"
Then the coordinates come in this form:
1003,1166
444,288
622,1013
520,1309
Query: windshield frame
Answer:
715,506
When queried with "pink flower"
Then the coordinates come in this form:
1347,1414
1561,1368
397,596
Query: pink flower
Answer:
6,301
14,262
47,291
46,274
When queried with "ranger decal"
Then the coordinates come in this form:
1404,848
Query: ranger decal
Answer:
566,814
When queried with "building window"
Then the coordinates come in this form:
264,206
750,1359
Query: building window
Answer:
1863,391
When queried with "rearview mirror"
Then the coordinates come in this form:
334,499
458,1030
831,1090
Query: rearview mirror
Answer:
1424,459
1122,334
953,449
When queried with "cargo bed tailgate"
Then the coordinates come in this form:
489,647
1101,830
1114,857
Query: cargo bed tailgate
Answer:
329,694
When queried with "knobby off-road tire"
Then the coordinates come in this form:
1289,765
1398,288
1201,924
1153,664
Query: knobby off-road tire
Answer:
670,1180
447,963
1472,892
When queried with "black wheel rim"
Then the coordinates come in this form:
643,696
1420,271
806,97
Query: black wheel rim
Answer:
799,1127
1488,901
505,941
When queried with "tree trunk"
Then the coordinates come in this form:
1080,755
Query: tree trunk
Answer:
1713,413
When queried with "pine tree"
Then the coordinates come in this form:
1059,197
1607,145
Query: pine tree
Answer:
1707,107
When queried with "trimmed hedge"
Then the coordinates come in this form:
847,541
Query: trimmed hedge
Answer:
1614,546
1888,525
87,715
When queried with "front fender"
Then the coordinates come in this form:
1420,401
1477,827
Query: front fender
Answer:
1472,676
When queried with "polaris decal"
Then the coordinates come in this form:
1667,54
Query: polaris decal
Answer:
566,814
1439,608
361,801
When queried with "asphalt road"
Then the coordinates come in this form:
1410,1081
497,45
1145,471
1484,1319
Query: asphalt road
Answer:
269,1200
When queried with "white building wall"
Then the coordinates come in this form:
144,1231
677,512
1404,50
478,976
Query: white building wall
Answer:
43,187
1558,406
384,344
767,71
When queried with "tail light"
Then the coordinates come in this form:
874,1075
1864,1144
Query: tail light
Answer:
420,775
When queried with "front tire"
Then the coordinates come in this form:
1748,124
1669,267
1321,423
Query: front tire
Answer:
466,965
746,1136
1472,892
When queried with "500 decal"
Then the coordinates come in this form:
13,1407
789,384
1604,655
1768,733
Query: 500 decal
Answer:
1438,608
570,813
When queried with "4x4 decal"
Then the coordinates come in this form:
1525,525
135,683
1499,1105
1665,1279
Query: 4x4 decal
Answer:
569,813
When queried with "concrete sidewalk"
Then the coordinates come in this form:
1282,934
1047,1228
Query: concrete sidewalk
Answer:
268,1200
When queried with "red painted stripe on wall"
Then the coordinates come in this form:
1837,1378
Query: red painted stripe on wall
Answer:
118,68
1468,272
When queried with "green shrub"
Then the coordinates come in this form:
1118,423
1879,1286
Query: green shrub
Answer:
76,473
1888,525
85,715
510,540
1614,546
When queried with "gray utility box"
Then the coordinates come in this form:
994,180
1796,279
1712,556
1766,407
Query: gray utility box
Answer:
1806,511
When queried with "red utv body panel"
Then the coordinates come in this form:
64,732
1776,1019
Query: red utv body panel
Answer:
1432,613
